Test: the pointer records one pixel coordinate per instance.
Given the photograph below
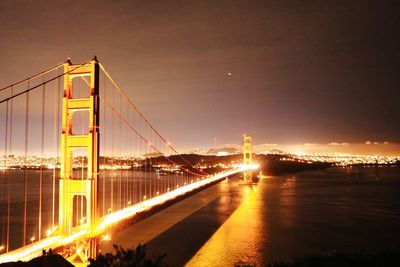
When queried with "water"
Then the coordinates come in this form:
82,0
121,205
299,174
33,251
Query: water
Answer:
343,209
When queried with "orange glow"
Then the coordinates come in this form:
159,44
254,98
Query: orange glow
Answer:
48,232
106,237
160,199
35,249
228,245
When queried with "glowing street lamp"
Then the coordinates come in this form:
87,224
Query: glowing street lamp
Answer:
49,232
106,237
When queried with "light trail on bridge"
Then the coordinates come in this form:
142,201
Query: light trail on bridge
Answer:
35,249
53,121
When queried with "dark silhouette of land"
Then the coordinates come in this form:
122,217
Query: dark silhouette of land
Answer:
52,260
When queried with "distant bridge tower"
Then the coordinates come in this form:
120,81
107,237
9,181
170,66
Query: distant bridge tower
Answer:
247,158
70,186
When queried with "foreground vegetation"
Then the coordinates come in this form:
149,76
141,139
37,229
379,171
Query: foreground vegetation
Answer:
137,258
121,258
128,258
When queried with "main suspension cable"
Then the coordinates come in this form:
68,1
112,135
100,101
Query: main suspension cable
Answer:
39,85
144,118
35,75
139,134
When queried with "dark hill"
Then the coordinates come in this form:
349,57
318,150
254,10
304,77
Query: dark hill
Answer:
53,260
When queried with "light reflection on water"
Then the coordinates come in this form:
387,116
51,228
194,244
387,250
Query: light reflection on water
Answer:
343,209
346,209
244,231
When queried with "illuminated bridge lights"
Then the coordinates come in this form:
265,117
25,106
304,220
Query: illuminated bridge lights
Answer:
80,232
70,238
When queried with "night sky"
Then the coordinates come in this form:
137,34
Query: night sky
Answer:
287,72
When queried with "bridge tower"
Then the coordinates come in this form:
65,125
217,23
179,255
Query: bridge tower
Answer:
70,186
247,158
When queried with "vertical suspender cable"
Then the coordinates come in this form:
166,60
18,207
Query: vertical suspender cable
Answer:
128,161
126,146
136,155
26,167
120,163
41,165
4,228
158,180
9,178
145,168
56,142
112,153
139,144
152,185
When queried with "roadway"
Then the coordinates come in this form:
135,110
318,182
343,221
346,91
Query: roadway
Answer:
35,249
193,230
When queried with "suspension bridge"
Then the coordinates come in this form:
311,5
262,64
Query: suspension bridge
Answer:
79,158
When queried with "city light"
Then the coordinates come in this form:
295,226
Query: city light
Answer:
162,198
340,159
315,83
48,232
106,237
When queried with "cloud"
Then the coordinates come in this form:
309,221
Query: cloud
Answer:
269,145
334,144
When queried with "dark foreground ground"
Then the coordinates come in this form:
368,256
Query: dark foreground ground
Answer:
385,258
43,261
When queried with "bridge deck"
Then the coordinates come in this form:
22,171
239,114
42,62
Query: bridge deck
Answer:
35,249
182,229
